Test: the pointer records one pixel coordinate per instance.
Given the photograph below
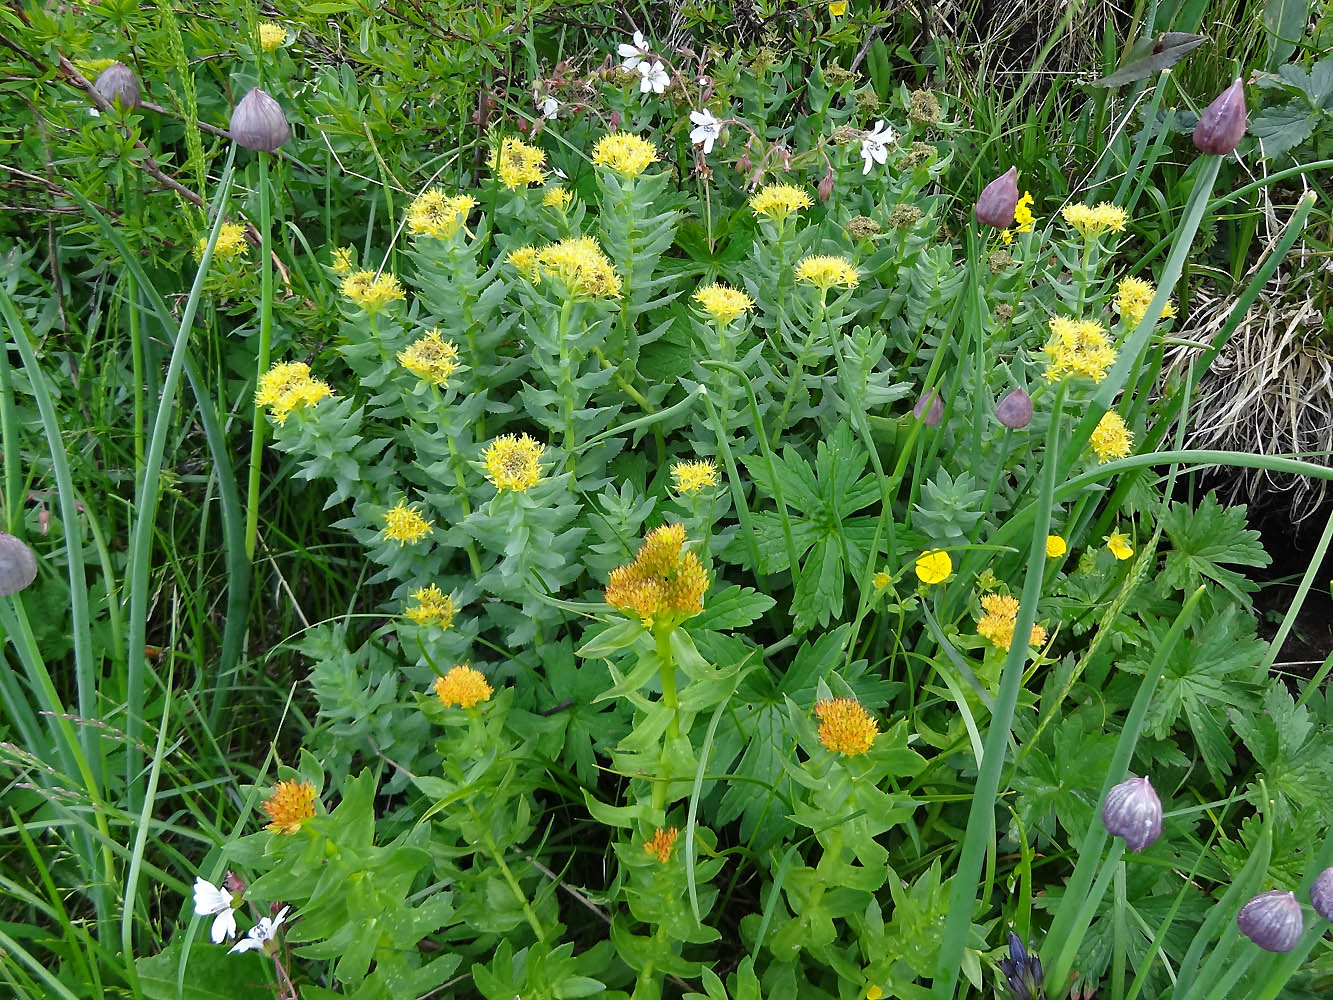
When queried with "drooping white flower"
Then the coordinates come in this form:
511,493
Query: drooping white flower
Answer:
875,146
654,78
634,54
549,107
210,901
706,131
260,934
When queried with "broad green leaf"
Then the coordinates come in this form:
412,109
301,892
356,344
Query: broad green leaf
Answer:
1284,23
1282,127
733,608
1152,55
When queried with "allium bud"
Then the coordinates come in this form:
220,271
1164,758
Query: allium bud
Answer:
1272,920
1133,811
117,83
1223,122
996,205
1321,894
825,189
929,410
18,566
258,123
1014,409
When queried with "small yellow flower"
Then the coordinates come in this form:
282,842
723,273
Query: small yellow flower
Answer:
289,805
663,581
881,580
777,201
845,727
874,993
933,566
288,386
998,623
557,198
691,477
371,291
403,524
722,303
517,164
432,358
230,245
838,8
580,264
342,260
625,153
1077,347
462,686
513,463
1118,544
1111,438
434,213
1094,221
1023,218
1006,236
661,844
433,607
825,271
1132,298
1055,546
524,259
271,36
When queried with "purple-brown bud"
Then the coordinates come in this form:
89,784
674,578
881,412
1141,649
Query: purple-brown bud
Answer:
117,83
258,123
825,189
1014,409
1272,920
1222,123
1321,894
1133,811
996,205
929,410
18,566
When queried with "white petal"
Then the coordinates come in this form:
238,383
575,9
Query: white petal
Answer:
708,145
867,167
626,51
245,944
879,126
640,42
209,899
224,926
880,153
282,914
645,85
633,62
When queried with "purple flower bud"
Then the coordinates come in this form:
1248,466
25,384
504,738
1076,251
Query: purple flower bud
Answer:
18,566
1133,811
1321,894
1014,409
117,82
1223,122
825,189
996,205
1272,920
258,123
929,409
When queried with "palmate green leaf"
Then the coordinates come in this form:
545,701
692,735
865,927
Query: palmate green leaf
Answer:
1204,537
1062,783
1284,126
1294,758
733,608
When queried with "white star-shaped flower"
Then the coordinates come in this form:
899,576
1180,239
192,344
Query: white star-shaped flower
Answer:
654,78
875,146
634,54
707,129
210,901
260,934
549,107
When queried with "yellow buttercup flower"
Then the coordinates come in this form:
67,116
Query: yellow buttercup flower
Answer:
1133,297
661,844
432,358
557,197
664,582
838,8
342,260
1078,347
874,993
271,36
1118,543
998,623
434,213
777,201
289,805
691,477
404,525
1111,438
517,164
933,566
625,153
845,727
513,463
1094,221
433,607
722,303
580,264
825,271
230,245
1023,218
462,687
1055,547
288,386
370,291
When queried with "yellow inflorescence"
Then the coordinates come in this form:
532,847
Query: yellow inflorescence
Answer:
289,805
1077,347
271,36
664,581
1111,438
370,291
557,197
625,153
524,259
722,303
518,164
1094,221
514,463
1132,298
433,607
1055,546
432,358
580,264
845,727
934,566
342,260
691,477
1023,218
434,213
661,844
997,624
287,386
404,525
825,271
462,686
230,245
1118,543
777,201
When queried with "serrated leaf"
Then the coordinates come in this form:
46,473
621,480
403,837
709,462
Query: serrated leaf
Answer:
733,608
1205,537
1149,56
1284,126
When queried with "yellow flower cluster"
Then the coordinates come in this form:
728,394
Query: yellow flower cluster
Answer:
722,303
289,385
1133,296
1093,221
825,271
1118,543
289,805
691,477
1077,347
557,197
403,524
513,463
371,291
661,844
434,213
933,567
625,153
997,624
271,36
579,263
433,607
1111,438
777,201
1023,217
517,164
664,581
462,686
845,727
524,260
432,358
342,260
230,245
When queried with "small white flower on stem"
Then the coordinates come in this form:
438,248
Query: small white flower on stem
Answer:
707,129
654,78
634,54
549,107
875,146
210,901
258,936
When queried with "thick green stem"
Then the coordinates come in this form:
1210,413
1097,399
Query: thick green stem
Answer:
514,887
666,661
473,559
265,336
568,364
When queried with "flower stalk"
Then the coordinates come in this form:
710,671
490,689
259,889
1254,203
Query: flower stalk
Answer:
258,424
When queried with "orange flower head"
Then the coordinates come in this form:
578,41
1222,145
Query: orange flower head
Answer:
661,844
289,806
845,727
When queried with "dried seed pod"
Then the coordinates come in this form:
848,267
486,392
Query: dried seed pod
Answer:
1014,409
258,123
18,566
1222,123
929,410
996,205
1321,894
1133,811
1272,920
117,83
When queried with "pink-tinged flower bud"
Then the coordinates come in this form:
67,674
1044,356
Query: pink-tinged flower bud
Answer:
233,883
615,120
1133,811
929,410
258,123
1321,894
18,566
117,83
1014,409
1223,122
825,189
996,205
1272,920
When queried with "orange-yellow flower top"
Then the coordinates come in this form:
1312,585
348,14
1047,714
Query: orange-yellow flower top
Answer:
663,582
845,727
998,623
289,805
462,686
1111,438
661,844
